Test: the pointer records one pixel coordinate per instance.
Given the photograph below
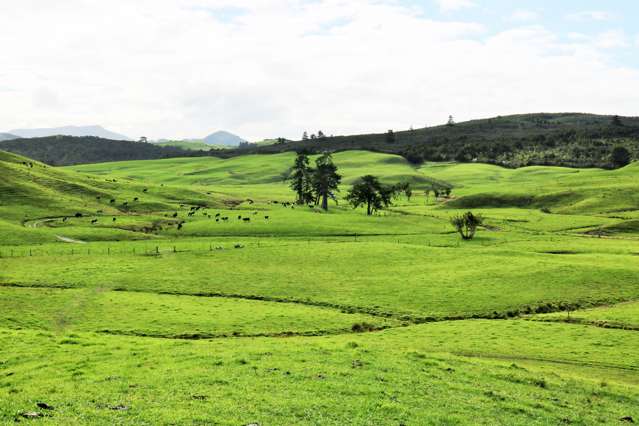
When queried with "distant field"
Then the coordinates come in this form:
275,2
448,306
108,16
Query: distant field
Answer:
113,315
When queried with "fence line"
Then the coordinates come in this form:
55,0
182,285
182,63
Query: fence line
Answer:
171,248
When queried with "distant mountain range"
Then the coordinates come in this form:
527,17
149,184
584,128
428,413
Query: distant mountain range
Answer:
8,136
97,131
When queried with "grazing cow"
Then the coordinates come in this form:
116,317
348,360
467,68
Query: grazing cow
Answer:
145,189
266,217
217,220
225,218
94,221
112,200
239,217
175,214
246,219
250,201
64,219
114,219
78,215
217,215
179,226
238,246
136,199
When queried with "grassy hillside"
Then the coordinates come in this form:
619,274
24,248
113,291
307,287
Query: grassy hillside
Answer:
191,145
574,140
67,150
172,315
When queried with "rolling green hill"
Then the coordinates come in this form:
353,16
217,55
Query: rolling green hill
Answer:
571,140
574,140
210,300
189,145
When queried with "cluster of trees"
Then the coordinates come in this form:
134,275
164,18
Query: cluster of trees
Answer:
315,185
320,135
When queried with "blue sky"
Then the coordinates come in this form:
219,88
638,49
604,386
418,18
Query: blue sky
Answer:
565,18
185,68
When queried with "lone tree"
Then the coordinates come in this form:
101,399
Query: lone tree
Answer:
451,121
300,179
368,190
305,136
325,180
620,156
466,224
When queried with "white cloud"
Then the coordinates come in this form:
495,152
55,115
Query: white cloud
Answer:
524,16
454,5
169,68
613,39
590,15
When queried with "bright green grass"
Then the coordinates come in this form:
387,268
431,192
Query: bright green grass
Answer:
508,372
307,272
162,315
383,277
622,315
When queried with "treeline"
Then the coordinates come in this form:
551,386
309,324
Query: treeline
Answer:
70,150
573,140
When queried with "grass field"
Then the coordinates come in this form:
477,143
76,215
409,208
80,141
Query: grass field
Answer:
299,316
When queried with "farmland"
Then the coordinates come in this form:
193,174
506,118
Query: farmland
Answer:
189,291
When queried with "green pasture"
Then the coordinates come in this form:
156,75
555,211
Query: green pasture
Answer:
155,309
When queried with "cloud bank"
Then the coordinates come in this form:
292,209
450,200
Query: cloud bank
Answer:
168,68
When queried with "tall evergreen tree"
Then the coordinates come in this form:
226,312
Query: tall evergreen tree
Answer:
300,178
325,180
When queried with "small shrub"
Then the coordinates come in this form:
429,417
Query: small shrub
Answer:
466,224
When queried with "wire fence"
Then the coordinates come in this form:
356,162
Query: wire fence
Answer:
167,248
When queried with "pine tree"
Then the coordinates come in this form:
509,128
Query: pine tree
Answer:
300,179
325,180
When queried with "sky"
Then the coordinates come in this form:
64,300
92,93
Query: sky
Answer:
263,69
